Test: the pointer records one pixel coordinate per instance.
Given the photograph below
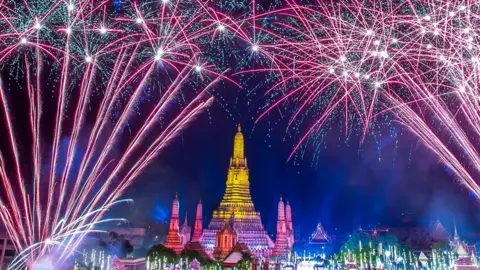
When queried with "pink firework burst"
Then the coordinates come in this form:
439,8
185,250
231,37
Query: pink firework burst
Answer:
102,92
358,60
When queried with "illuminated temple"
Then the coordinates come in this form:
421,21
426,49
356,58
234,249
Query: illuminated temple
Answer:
235,225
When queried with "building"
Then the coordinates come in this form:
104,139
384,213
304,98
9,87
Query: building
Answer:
465,255
185,232
237,201
289,223
319,241
174,240
235,225
130,264
282,248
225,240
422,238
7,250
198,228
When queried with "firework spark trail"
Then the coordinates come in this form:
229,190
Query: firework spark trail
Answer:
358,60
103,68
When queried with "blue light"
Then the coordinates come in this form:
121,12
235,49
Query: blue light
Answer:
117,4
160,213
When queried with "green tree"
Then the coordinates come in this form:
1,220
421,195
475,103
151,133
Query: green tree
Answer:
387,239
362,247
210,264
162,254
406,258
189,255
245,263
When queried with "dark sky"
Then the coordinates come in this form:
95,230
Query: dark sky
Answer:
351,184
381,182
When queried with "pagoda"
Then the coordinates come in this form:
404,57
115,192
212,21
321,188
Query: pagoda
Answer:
197,233
174,240
289,223
185,232
282,248
237,204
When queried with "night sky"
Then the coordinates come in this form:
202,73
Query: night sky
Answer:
383,182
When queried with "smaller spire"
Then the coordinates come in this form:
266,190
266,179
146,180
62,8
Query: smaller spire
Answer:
185,223
239,128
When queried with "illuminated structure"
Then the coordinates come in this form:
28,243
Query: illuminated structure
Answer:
7,249
289,222
281,250
235,225
319,237
319,241
237,202
197,233
465,254
174,240
185,232
225,240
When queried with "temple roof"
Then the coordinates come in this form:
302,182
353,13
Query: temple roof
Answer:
236,254
319,236
197,247
422,237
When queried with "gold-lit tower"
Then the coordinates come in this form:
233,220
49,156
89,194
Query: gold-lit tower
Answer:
237,205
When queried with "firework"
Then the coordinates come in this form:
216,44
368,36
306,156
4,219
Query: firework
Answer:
357,61
105,93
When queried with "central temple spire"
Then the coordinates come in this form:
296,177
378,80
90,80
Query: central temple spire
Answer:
238,160
237,198
238,144
236,208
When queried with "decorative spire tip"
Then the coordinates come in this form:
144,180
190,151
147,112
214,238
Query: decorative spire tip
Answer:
239,128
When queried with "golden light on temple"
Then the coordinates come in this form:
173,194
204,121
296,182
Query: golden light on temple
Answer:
238,144
237,205
235,218
237,199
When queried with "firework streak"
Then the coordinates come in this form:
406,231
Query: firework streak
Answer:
105,94
357,60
